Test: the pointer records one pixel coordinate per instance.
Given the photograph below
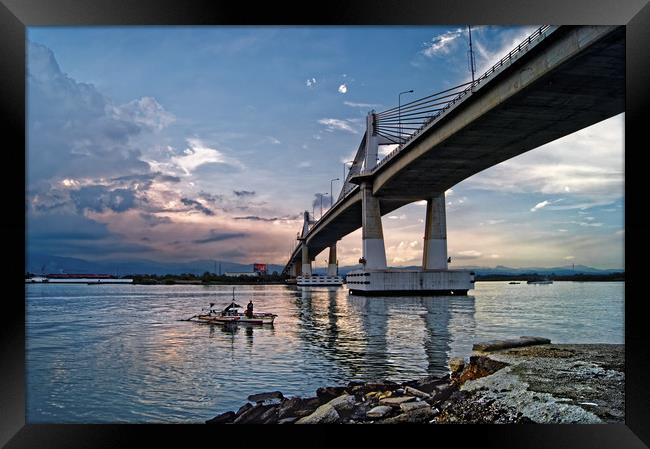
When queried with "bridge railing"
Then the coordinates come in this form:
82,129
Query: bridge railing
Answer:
419,114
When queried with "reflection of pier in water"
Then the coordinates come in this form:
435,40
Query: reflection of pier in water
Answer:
385,337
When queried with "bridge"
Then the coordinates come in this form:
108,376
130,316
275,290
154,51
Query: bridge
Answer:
556,82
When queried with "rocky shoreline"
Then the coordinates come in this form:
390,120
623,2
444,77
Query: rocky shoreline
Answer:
526,380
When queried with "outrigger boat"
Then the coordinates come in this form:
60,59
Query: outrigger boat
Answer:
232,315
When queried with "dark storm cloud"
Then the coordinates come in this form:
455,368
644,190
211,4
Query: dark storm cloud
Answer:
216,236
153,220
257,218
99,198
75,130
243,193
196,205
210,197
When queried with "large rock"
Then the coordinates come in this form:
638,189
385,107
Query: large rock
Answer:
244,407
420,415
344,404
443,393
325,414
224,418
396,402
495,345
410,406
254,415
429,384
297,407
326,394
263,397
456,365
417,393
479,366
379,412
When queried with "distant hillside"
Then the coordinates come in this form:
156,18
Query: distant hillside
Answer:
44,263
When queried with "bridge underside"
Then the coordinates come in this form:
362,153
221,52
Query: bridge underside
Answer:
554,90
577,94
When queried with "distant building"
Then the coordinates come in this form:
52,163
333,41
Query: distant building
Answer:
260,268
235,274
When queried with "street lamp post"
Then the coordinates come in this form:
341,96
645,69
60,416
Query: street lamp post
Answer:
399,110
332,196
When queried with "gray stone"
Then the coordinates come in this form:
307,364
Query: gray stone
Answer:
254,414
326,394
325,414
396,402
261,397
297,407
495,345
410,406
417,393
344,404
289,420
222,419
379,412
420,415
244,407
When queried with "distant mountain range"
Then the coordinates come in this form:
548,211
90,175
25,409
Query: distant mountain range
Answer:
39,263
47,264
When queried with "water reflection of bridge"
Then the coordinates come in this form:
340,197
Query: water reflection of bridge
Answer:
385,337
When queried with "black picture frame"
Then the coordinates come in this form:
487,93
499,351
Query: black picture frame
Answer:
16,15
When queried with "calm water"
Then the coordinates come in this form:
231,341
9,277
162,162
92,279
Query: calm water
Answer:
118,354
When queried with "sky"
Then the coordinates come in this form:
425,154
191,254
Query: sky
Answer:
186,143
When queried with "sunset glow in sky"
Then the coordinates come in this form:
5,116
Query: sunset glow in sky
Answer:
184,143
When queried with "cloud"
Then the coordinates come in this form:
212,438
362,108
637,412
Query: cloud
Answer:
72,128
98,198
197,206
145,111
198,154
441,44
540,205
243,193
361,105
216,236
271,219
343,88
470,254
311,82
273,140
569,258
304,164
339,125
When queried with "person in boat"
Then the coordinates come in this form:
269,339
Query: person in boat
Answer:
249,309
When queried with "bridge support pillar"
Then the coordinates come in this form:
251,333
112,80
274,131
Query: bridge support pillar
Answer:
306,262
434,256
374,251
331,263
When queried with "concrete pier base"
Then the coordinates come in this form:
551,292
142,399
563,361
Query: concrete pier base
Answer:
409,282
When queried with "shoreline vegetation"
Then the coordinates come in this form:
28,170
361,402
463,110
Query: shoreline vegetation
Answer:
276,278
525,380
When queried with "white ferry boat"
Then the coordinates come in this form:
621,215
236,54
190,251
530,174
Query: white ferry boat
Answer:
318,280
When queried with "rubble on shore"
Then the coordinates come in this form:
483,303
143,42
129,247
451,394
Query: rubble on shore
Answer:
528,380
